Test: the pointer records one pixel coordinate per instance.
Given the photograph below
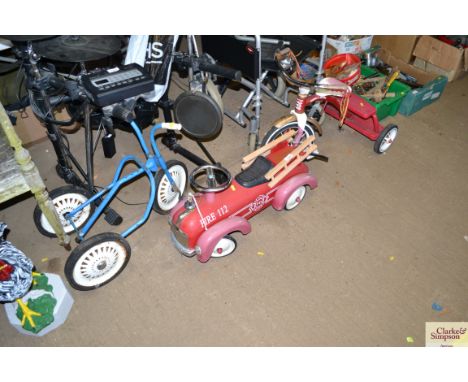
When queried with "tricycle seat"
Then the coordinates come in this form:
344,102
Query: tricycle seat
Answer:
254,175
360,107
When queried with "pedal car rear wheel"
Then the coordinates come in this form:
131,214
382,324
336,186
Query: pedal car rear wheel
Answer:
166,197
65,199
97,261
386,139
295,199
224,247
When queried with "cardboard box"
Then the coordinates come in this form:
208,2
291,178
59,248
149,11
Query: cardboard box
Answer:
353,46
435,56
418,98
400,47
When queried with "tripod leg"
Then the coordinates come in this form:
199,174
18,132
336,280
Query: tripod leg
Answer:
89,148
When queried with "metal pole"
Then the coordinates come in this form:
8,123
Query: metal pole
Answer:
89,148
190,52
322,58
258,73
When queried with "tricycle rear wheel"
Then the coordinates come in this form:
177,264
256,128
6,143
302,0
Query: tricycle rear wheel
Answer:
386,139
97,261
65,200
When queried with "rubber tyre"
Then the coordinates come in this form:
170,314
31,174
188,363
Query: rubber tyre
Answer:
213,92
162,182
54,195
275,132
379,145
296,198
227,241
276,84
76,258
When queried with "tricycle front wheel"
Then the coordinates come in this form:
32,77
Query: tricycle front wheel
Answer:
166,196
97,261
276,132
386,139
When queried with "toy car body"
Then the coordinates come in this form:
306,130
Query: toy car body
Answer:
200,223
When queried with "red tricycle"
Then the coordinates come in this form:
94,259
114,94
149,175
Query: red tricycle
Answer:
336,99
275,175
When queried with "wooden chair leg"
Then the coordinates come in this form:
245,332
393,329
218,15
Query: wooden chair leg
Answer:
48,209
33,179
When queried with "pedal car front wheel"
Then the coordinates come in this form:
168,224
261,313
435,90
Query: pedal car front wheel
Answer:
224,247
65,200
97,261
166,196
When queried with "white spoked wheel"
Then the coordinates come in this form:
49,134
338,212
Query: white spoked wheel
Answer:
97,261
224,247
296,198
386,139
276,132
166,196
65,200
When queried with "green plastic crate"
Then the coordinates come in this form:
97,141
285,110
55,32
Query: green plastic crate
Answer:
390,105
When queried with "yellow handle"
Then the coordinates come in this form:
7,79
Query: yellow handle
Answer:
393,77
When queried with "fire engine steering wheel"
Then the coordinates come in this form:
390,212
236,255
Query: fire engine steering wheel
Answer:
216,178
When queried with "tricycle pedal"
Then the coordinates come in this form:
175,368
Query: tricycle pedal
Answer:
112,217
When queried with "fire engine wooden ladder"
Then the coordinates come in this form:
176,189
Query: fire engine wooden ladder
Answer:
288,163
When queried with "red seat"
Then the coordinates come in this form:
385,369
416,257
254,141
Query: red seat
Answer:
360,107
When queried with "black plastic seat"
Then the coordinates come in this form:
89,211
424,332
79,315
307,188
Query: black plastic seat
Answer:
255,174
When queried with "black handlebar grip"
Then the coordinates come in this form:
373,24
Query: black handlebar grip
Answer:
60,99
222,71
56,82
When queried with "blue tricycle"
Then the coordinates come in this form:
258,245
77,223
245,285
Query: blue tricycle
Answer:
99,259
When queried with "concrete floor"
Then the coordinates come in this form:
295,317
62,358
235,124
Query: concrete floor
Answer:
360,263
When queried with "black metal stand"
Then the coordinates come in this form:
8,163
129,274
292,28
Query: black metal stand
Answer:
37,83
